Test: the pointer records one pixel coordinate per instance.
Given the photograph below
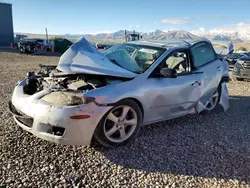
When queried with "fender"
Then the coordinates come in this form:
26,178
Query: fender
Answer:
224,99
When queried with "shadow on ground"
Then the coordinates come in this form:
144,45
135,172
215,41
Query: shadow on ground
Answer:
9,50
215,145
51,54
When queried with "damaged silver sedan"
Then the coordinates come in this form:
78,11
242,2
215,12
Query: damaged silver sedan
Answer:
109,96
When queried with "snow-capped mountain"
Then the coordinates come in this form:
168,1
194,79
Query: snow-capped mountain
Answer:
156,34
176,34
219,34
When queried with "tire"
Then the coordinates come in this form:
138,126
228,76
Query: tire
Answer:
103,133
218,91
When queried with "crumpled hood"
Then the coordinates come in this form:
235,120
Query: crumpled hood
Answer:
83,57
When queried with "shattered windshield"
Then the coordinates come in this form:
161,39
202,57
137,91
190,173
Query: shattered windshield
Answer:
134,58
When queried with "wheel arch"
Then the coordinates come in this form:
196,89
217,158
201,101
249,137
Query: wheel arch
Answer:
137,102
99,134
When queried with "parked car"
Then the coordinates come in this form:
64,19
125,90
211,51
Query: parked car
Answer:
44,44
17,38
232,59
102,47
225,50
110,95
241,69
28,46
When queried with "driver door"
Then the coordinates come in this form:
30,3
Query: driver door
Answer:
173,97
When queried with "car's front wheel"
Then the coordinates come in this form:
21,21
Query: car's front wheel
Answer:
120,124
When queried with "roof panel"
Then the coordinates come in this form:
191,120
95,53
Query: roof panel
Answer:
167,43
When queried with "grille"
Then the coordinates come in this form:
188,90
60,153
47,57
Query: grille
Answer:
13,109
27,121
20,117
246,65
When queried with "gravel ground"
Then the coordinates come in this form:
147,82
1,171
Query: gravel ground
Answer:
211,150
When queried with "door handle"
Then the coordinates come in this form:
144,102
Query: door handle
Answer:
218,68
196,83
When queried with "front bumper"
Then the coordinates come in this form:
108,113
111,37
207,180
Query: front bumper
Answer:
53,123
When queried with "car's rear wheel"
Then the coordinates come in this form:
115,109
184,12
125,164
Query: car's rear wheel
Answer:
213,101
120,124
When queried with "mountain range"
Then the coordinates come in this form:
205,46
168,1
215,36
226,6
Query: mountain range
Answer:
119,36
172,34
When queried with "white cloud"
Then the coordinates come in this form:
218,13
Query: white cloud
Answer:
201,29
170,29
174,21
96,32
134,26
239,30
243,27
239,27
240,24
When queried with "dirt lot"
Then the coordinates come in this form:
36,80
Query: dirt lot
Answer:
211,150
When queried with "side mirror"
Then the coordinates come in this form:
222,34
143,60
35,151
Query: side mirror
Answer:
168,73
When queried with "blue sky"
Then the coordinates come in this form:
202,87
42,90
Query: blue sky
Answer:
93,16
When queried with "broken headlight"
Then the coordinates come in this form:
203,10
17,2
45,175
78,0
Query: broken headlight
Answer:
67,99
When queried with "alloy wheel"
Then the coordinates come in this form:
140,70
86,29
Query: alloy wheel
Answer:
120,123
211,104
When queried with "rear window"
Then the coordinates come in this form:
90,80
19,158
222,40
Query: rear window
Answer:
203,53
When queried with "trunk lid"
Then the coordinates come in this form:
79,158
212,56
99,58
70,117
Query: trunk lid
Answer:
223,48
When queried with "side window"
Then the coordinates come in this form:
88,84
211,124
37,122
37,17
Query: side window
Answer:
178,61
203,53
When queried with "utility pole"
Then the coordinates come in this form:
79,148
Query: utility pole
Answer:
126,36
47,36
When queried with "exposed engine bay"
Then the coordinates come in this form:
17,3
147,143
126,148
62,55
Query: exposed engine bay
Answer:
49,78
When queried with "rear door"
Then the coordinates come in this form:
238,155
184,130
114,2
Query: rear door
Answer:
206,61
